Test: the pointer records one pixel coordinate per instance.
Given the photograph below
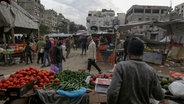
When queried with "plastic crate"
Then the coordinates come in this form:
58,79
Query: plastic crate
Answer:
3,94
102,85
19,92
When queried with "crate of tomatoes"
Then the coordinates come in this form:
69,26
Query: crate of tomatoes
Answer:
20,82
21,90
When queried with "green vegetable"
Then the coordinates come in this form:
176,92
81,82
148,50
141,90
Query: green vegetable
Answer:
70,80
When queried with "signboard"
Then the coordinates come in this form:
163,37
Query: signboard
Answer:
155,58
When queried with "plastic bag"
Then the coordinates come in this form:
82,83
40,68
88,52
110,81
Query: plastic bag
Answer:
88,79
177,88
54,68
72,94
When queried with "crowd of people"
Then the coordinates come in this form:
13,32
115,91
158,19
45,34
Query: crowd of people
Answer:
133,81
49,51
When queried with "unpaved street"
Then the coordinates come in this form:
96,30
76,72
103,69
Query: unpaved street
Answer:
76,61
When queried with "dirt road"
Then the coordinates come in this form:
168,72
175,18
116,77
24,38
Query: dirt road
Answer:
76,61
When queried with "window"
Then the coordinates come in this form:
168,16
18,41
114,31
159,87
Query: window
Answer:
147,19
147,10
139,19
155,11
138,10
163,11
141,26
89,15
153,36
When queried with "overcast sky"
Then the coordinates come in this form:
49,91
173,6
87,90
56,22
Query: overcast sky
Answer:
77,10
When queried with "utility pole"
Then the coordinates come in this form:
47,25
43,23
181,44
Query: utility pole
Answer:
68,27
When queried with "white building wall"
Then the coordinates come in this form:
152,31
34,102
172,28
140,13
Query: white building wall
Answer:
100,19
180,9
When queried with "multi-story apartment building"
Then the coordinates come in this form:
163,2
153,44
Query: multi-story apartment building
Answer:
34,7
60,20
121,18
180,9
100,21
140,13
50,19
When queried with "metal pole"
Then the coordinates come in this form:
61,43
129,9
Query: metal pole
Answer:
68,27
13,37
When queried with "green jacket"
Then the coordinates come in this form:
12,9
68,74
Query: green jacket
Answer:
40,44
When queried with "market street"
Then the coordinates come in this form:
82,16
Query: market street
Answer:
74,62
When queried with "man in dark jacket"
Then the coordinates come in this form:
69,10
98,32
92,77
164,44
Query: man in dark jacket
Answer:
134,81
28,50
58,54
46,52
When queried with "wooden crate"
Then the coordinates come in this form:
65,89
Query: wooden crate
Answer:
97,98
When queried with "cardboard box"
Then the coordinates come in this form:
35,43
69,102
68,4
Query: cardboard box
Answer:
102,85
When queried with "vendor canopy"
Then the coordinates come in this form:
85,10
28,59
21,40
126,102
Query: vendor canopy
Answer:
55,35
13,16
173,27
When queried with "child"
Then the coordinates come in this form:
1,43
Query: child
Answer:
28,53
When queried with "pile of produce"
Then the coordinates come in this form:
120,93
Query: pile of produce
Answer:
69,81
166,81
94,77
28,75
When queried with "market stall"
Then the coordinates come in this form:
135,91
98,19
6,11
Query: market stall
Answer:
105,46
15,19
35,86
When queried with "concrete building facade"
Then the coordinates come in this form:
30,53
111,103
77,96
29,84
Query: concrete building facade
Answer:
100,21
180,9
121,18
34,7
50,19
140,13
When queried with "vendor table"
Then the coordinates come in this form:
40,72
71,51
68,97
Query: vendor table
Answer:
105,55
50,97
11,58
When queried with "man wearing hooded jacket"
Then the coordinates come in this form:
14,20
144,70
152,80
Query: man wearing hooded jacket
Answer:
134,81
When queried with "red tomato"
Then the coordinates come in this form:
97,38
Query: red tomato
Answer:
41,80
56,80
51,77
51,72
3,80
35,86
47,74
41,84
23,83
1,85
12,75
47,80
38,77
92,82
31,79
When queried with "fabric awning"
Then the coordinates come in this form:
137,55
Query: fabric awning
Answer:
13,15
175,27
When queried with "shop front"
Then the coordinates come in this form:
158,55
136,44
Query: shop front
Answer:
105,43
